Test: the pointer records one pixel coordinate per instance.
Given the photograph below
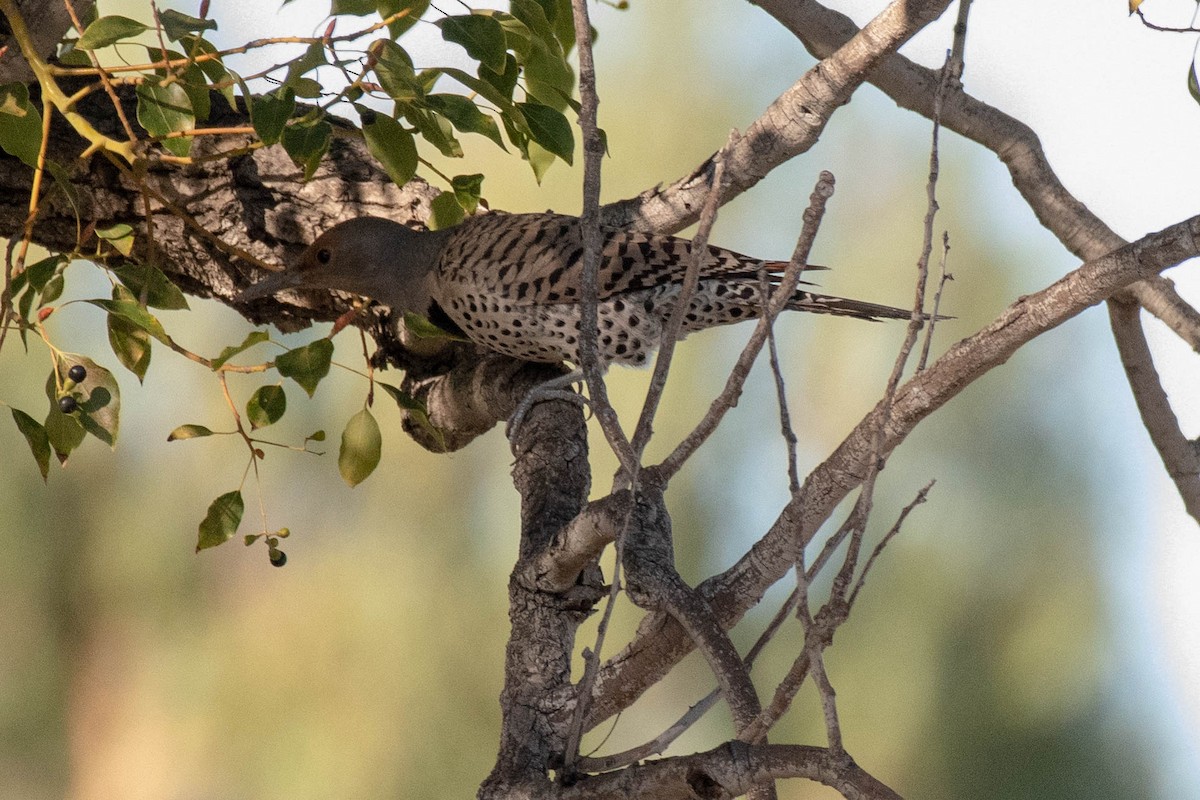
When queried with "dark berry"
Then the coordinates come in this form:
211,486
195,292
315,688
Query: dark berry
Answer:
278,558
68,404
77,373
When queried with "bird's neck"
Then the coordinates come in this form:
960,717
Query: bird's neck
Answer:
402,278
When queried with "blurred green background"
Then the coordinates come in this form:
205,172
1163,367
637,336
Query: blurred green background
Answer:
1004,647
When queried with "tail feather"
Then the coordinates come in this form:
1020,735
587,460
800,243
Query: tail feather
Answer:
841,307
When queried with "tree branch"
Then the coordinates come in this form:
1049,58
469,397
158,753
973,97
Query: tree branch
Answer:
730,770
659,644
789,126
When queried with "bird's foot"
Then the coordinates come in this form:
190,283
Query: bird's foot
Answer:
553,389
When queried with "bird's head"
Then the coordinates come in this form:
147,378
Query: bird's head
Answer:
375,257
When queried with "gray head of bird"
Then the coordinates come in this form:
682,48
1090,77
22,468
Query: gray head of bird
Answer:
370,256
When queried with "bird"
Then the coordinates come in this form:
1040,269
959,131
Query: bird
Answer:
512,283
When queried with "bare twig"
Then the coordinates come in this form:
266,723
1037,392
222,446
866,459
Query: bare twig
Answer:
728,397
790,125
593,153
921,497
785,418
674,323
937,303
646,658
816,638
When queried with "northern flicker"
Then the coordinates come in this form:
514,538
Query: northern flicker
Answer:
511,283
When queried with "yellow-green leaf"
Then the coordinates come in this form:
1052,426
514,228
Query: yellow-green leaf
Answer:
188,432
109,30
361,447
20,123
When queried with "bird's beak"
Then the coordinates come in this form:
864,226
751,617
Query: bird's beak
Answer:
276,282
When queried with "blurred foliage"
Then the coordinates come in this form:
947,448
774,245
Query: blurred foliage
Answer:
978,664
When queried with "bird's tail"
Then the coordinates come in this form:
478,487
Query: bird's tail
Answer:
841,307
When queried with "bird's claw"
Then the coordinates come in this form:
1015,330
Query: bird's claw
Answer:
553,389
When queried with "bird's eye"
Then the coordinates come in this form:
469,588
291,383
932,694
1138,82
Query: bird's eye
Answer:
323,255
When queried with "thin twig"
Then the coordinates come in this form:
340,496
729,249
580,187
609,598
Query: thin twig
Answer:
921,497
814,645
674,323
728,397
862,507
589,323
590,361
937,302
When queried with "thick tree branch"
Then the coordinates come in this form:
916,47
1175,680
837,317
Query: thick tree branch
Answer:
729,771
1083,233
790,125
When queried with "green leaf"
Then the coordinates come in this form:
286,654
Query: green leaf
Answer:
444,212
550,129
20,123
558,13
212,67
53,290
480,35
517,36
358,8
119,237
164,107
266,406
1192,85
306,144
306,365
484,88
307,88
109,30
129,309
362,444
64,431
467,189
540,160
194,83
252,338
549,77
130,344
270,113
39,274
503,82
312,58
416,8
147,283
99,399
394,69
433,127
222,520
422,328
415,411
393,148
533,16
177,24
465,115
188,432
35,435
